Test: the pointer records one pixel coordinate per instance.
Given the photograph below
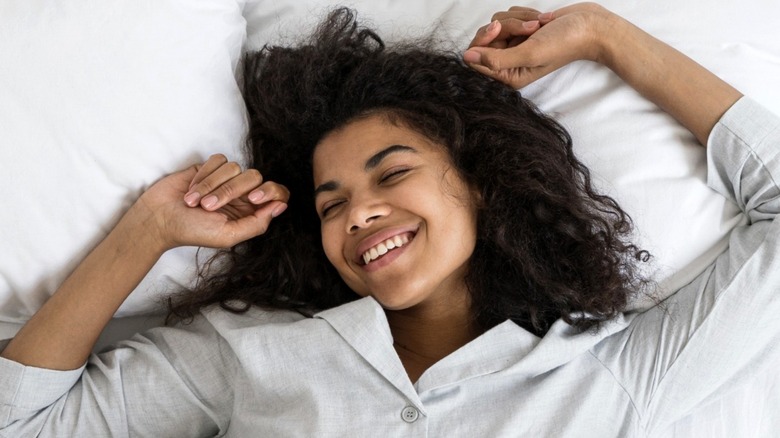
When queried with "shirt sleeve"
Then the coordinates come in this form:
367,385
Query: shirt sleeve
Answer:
723,327
168,382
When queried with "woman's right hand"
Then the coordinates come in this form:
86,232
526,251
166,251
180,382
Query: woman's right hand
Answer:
214,204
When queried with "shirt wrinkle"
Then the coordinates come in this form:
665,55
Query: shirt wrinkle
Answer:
623,388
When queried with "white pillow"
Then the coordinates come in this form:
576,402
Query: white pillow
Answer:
636,152
97,101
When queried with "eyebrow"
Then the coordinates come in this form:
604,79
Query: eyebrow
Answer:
379,156
371,163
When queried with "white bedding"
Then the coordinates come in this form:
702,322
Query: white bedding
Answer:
98,99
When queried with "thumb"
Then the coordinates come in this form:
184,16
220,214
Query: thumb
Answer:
498,59
515,66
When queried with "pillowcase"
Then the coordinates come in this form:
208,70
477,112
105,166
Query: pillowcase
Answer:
97,101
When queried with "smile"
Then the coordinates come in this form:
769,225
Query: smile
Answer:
386,246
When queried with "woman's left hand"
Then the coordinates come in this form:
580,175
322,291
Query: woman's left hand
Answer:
521,45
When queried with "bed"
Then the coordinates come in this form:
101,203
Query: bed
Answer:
99,99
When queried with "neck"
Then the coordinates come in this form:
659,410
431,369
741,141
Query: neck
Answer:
425,334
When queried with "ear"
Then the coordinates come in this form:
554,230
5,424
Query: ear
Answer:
475,194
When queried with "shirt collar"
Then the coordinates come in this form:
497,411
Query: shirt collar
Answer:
506,347
363,325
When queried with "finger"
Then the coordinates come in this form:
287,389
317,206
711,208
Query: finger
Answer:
485,71
498,44
520,56
269,191
516,66
501,76
511,28
253,225
211,182
486,34
523,9
211,164
546,17
517,12
504,33
235,187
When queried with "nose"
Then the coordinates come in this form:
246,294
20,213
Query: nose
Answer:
364,212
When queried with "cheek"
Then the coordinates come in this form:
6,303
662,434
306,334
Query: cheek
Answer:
331,244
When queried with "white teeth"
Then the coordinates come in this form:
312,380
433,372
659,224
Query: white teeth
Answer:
383,247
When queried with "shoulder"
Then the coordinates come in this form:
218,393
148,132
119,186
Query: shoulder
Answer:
222,319
215,328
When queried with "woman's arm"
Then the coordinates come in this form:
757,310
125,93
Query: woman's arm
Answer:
62,333
722,327
522,45
176,211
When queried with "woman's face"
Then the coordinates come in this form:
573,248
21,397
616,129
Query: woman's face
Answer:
398,222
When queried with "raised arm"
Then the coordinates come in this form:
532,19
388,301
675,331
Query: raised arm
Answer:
215,205
522,45
722,327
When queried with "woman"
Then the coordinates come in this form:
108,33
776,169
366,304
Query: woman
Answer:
490,303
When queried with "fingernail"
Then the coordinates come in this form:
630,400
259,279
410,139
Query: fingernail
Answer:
279,210
192,198
472,56
257,196
209,201
492,26
546,16
530,24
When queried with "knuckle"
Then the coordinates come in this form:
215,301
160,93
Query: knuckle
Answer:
491,62
204,187
226,191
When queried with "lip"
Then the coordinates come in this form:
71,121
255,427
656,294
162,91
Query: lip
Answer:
378,237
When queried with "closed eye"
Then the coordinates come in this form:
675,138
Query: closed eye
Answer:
329,207
393,173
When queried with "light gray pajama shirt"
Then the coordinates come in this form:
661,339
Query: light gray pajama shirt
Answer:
279,374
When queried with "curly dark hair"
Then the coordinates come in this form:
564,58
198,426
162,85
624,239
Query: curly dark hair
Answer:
548,246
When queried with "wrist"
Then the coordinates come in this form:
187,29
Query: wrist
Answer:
143,229
610,37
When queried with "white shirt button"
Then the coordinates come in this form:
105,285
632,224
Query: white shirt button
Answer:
410,414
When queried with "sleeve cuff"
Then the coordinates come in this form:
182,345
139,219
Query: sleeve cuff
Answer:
746,130
25,387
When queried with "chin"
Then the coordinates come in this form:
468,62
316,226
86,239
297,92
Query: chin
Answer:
394,302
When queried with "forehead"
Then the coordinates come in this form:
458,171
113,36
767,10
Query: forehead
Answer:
351,145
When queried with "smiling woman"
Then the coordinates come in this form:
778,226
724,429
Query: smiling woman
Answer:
522,225
387,191
416,251
400,226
